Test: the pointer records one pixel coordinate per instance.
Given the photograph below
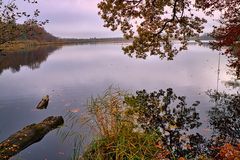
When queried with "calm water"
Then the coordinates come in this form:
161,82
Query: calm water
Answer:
72,74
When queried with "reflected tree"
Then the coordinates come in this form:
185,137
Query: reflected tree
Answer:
224,117
234,61
168,114
32,59
233,84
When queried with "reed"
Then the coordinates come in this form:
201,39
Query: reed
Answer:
117,138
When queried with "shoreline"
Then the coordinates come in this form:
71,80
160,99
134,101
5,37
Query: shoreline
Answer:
28,45
14,46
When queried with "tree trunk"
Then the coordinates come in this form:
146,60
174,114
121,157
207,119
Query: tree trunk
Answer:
28,136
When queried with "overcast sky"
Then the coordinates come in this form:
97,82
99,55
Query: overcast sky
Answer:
75,18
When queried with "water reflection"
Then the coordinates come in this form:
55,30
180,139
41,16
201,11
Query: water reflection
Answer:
75,73
235,65
176,122
31,58
234,62
232,83
171,117
224,117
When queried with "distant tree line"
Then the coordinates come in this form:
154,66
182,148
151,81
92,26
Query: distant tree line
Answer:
26,31
30,29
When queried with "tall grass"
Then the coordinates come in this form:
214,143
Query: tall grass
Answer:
77,130
117,138
108,112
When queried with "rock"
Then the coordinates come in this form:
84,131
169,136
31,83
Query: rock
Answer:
43,103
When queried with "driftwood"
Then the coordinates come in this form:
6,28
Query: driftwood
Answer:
43,103
28,136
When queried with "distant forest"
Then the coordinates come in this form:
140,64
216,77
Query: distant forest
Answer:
18,32
35,32
22,32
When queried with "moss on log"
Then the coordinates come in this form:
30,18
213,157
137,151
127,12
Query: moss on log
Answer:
28,136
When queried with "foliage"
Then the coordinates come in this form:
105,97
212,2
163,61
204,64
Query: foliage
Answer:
153,24
10,11
33,31
22,34
168,115
228,33
10,14
8,32
233,54
229,152
224,117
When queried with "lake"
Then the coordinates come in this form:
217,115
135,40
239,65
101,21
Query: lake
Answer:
70,75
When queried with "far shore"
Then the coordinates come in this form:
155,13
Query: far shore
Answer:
22,45
14,46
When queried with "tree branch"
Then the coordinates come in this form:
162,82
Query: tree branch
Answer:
133,1
170,20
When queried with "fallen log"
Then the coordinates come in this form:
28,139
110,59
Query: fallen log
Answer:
28,136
